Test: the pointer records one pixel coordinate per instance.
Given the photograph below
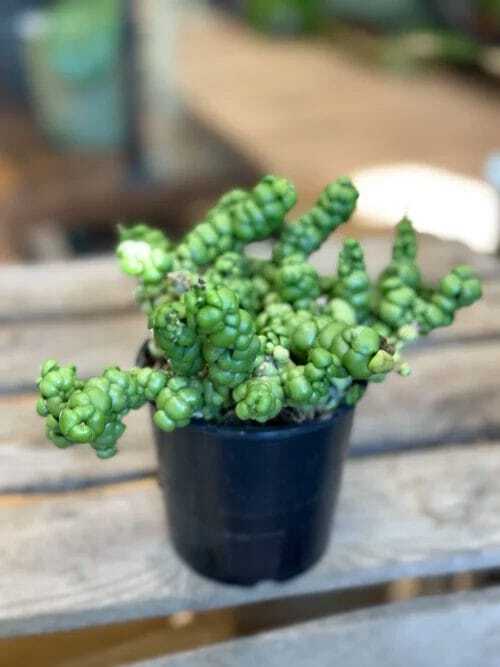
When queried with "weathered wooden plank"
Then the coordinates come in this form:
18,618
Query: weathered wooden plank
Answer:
453,396
101,555
457,630
29,463
96,285
95,331
96,341
92,342
84,286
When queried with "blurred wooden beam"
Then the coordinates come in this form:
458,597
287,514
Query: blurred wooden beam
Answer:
305,109
74,187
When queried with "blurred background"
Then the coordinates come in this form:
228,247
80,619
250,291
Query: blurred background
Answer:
120,110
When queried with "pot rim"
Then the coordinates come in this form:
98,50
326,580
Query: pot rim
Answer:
283,430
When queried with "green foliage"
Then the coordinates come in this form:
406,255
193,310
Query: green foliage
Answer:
178,341
252,339
437,308
353,284
178,402
297,282
259,398
333,208
145,254
404,254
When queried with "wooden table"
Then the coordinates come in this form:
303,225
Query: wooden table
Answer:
83,542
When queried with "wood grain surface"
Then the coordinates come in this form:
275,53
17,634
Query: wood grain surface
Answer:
452,397
420,633
101,555
83,541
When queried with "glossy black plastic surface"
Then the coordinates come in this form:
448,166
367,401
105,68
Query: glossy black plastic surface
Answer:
249,503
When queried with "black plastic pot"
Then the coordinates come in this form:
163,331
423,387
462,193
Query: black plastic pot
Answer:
247,503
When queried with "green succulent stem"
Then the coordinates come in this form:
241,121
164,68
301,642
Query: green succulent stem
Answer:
235,337
353,284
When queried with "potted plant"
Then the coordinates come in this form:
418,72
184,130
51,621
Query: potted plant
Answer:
253,372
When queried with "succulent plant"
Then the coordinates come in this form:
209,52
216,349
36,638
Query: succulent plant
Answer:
240,338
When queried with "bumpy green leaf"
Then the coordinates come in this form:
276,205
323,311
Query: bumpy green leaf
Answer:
353,284
259,339
333,208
